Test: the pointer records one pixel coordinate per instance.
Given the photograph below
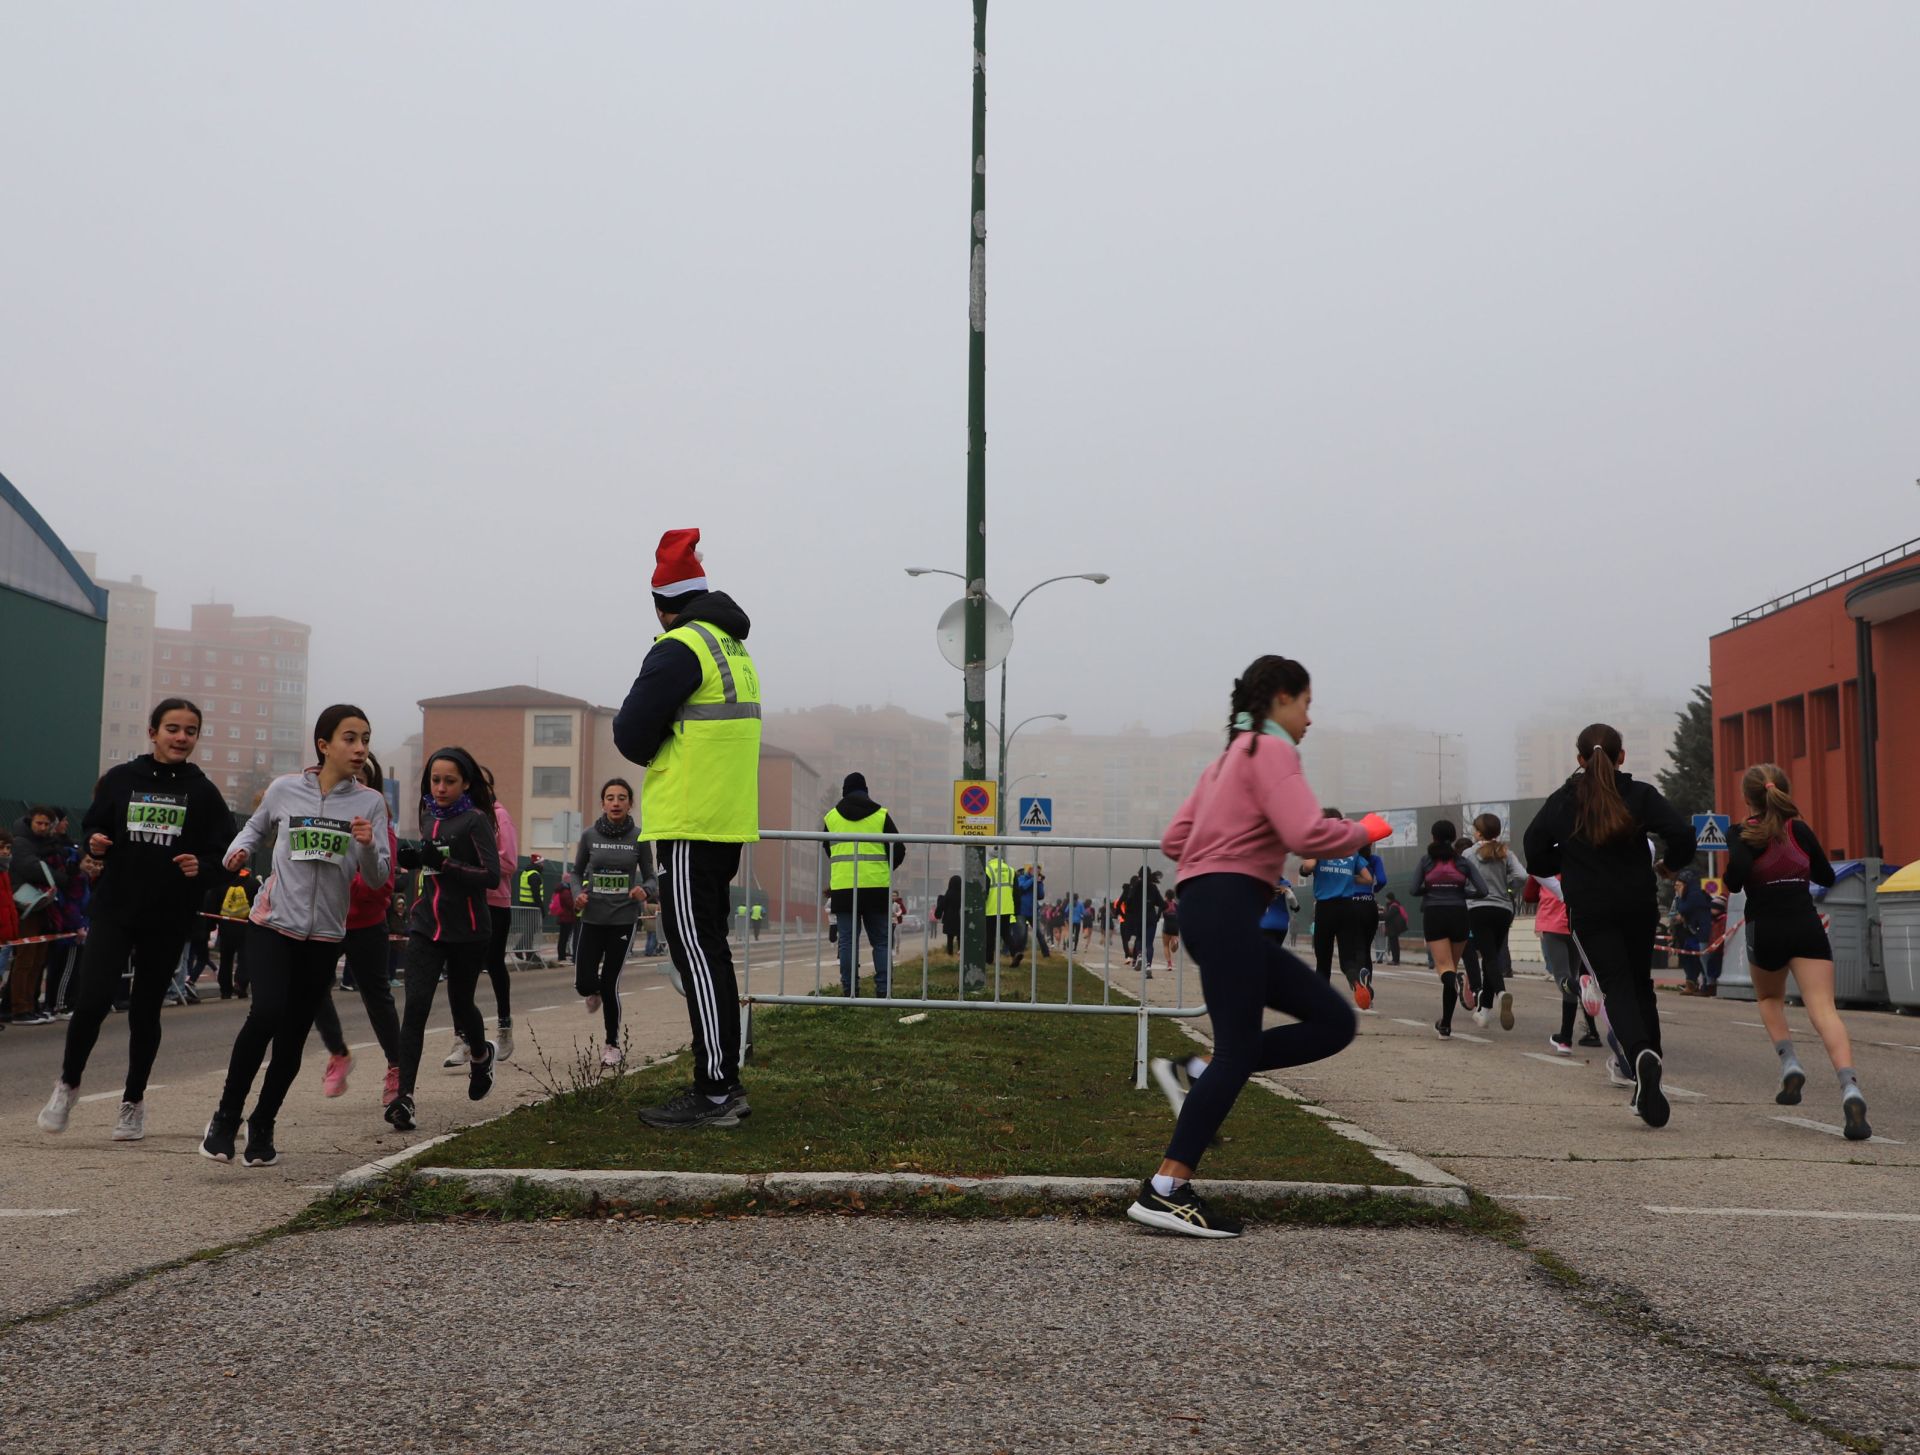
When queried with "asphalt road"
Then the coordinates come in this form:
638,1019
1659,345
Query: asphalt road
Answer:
1723,1267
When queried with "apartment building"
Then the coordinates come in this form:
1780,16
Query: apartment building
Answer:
248,674
127,694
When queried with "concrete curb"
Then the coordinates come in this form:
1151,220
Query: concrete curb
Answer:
695,1188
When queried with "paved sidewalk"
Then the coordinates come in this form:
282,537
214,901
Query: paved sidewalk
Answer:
864,1334
79,1209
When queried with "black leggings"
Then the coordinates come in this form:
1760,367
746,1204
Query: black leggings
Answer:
462,961
500,919
289,978
1243,974
1618,948
1490,928
366,950
1359,918
597,962
155,952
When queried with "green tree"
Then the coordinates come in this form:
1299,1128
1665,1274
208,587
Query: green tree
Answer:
1688,784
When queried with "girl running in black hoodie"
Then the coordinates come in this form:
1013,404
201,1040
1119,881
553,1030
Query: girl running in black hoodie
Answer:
1593,833
1445,879
155,823
448,930
1775,857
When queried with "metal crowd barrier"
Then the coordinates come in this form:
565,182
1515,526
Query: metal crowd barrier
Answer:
776,973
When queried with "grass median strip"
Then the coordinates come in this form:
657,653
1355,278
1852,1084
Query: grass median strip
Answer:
959,1094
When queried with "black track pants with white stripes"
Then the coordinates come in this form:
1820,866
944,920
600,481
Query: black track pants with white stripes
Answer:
694,876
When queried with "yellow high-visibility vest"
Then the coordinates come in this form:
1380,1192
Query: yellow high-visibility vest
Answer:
866,865
704,783
999,889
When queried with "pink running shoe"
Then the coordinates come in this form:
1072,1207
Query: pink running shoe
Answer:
1590,997
1466,992
593,1004
334,1083
611,1056
392,1091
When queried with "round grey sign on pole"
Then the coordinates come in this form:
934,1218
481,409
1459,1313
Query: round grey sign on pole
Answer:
952,634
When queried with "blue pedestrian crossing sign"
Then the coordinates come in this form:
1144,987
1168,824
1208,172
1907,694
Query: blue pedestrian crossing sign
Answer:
1710,832
1036,815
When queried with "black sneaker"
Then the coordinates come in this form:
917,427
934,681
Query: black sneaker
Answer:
260,1149
1179,1211
1790,1084
399,1113
1649,1101
1591,1038
692,1108
1853,1107
218,1141
480,1074
1445,1030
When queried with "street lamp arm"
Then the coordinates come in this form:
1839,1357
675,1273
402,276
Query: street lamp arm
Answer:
1098,578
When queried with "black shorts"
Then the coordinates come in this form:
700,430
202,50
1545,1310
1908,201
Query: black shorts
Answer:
1771,942
1446,922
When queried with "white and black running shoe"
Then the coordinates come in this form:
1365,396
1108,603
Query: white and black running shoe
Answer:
1172,1080
691,1108
400,1113
480,1073
1790,1084
1649,1101
1180,1211
260,1149
1853,1109
218,1141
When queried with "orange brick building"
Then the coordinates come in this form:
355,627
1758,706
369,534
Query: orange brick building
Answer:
1825,681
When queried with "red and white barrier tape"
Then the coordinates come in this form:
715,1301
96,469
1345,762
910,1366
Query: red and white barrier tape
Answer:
39,939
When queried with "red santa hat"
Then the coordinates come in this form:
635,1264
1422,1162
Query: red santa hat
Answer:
677,570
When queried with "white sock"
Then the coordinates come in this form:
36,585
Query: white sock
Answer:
1165,1185
1195,1066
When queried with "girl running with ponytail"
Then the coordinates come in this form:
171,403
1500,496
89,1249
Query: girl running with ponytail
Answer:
1593,833
612,880
1251,808
1774,858
1444,880
449,928
326,826
1490,915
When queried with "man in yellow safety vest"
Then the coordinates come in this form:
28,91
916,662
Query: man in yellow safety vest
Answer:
860,882
693,717
1002,924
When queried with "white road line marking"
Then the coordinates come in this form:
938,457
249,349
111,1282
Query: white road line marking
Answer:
37,1212
1529,1197
1550,1060
1477,1040
1682,1092
113,1095
1894,1045
1832,1131
1417,1025
1787,1212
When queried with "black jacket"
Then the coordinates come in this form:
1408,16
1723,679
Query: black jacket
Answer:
461,857
1614,878
668,677
857,806
133,806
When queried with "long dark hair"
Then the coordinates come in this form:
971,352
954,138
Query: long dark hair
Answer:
1255,689
172,704
1442,850
1599,812
479,789
328,723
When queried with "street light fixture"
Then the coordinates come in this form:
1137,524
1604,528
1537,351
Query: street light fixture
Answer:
1098,578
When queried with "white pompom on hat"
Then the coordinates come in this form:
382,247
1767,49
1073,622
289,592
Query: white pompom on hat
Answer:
677,570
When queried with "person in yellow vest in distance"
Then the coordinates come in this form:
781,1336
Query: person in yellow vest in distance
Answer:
529,903
758,918
859,889
1002,923
693,718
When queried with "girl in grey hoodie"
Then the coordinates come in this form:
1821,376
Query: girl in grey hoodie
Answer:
611,882
326,826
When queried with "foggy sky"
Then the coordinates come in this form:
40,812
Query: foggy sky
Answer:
1466,353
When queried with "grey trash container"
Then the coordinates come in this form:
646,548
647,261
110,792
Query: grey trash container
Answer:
1899,901
1853,931
1736,978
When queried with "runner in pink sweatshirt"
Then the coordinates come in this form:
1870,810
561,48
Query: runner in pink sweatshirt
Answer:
1231,839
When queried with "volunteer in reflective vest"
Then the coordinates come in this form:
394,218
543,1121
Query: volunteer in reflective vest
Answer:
861,881
529,907
530,888
693,717
1000,905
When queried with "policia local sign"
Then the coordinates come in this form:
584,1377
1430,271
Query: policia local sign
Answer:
973,808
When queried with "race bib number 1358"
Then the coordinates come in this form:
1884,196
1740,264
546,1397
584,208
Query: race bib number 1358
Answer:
319,840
